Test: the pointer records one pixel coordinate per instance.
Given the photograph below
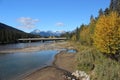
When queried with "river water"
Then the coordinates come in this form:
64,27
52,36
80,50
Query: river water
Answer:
21,45
14,65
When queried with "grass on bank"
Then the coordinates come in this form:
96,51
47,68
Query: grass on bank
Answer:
96,64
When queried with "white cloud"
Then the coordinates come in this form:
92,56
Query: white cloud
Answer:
27,22
59,24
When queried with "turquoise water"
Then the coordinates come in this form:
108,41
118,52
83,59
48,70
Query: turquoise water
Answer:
13,65
71,51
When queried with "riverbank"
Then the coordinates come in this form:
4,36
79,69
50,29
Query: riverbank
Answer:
63,63
46,46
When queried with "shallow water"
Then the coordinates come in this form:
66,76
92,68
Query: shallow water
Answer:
71,51
21,45
13,65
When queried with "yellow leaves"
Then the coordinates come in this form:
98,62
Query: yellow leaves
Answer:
107,33
74,37
85,36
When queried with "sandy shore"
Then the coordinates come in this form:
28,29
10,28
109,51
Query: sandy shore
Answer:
64,62
57,45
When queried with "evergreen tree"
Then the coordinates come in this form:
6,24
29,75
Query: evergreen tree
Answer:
10,35
107,11
101,12
115,6
77,34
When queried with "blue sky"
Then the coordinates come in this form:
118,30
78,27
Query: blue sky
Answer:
54,15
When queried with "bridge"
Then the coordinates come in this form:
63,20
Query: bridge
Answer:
41,39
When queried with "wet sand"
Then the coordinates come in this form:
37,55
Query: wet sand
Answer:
47,73
63,63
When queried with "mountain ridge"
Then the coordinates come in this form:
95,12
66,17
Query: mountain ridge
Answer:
47,33
9,34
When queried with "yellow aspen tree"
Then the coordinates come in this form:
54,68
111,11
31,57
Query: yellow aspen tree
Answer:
85,36
74,38
107,33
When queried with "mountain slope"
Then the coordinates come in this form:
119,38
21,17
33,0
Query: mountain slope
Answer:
9,34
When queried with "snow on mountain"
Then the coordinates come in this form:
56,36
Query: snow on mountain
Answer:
47,33
36,31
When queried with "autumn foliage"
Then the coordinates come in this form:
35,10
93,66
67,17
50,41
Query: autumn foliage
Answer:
102,31
107,33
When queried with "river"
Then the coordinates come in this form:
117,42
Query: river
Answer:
15,65
21,45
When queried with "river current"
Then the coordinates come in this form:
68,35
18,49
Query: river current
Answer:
14,65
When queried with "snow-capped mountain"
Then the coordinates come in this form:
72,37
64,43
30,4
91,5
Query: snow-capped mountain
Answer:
36,31
47,33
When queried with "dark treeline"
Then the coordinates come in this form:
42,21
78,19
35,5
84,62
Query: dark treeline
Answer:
9,34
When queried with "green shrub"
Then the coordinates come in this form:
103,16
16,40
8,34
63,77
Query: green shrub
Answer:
85,60
97,65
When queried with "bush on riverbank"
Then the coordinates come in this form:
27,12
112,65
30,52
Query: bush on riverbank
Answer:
97,64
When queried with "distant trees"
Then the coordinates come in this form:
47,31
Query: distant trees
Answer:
84,33
73,38
84,36
67,35
10,35
107,33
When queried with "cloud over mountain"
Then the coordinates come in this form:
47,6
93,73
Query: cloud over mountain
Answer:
27,22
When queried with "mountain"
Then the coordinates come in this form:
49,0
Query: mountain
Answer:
8,34
36,31
47,33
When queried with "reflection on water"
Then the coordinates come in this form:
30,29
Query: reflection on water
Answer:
15,64
21,45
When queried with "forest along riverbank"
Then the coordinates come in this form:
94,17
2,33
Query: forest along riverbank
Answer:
64,62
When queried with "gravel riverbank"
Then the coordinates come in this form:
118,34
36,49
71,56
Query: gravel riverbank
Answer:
63,63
